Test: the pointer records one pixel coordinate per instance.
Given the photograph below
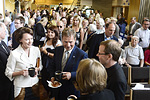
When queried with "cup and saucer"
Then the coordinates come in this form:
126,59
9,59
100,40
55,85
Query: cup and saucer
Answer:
55,82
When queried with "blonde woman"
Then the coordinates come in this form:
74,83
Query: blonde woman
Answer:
56,18
40,32
91,81
79,31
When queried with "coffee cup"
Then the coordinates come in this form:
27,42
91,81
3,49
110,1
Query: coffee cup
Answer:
71,97
31,71
58,75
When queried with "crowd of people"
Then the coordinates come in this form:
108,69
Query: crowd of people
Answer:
88,50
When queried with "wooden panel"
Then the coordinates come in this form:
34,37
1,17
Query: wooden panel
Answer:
105,6
54,2
133,9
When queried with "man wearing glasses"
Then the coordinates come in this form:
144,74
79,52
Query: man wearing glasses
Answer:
108,54
60,26
144,34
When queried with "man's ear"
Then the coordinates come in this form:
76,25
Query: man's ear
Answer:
110,56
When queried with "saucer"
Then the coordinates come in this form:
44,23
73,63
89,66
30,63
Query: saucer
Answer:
50,84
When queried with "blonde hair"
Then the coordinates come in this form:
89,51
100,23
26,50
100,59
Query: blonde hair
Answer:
91,76
78,18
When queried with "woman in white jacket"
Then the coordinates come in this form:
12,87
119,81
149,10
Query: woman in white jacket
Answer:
20,59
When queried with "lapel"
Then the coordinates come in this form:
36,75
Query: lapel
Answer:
71,59
60,56
24,57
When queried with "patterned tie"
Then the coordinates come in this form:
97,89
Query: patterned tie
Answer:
4,47
64,60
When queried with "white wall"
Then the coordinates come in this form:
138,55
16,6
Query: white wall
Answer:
1,7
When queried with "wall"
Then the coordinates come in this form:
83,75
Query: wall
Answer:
133,9
105,6
120,2
86,2
1,7
54,2
9,5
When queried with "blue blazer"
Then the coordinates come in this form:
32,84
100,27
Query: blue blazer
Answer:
76,56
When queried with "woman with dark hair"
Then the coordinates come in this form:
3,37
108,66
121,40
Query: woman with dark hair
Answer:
52,41
20,60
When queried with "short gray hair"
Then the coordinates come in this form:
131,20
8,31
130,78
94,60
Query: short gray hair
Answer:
92,28
135,37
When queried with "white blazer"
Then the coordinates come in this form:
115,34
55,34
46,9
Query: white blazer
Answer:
18,61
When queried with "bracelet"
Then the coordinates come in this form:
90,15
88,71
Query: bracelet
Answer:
47,53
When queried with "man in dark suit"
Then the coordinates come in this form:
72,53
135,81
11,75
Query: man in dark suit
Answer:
108,54
133,26
94,41
6,86
69,67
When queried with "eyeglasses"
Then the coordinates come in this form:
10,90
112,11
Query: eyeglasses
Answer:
59,26
102,53
146,24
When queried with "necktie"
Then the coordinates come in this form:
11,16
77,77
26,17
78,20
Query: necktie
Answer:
64,60
3,46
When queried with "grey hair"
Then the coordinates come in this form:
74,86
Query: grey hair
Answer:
92,28
135,37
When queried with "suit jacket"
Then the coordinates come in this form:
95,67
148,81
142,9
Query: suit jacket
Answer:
93,44
116,81
136,26
18,61
6,86
101,95
76,55
39,32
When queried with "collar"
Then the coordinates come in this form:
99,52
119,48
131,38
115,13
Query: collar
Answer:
109,38
68,51
134,47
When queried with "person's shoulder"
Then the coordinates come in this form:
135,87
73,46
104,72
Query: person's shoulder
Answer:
127,47
107,91
98,36
137,23
107,94
79,50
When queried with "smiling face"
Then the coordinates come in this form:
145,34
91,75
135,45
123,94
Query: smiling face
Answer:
68,42
18,24
145,25
26,41
50,34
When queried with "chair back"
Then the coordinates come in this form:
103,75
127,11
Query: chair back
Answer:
139,75
139,94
